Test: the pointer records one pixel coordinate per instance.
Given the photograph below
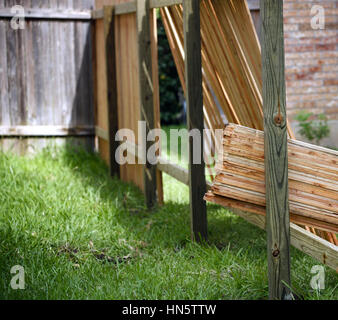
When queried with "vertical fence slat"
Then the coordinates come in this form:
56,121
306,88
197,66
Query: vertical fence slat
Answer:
193,74
146,93
275,142
109,36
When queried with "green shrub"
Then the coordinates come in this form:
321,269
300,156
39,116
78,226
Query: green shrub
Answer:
313,127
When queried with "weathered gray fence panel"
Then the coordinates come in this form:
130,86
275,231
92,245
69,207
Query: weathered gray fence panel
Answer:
46,71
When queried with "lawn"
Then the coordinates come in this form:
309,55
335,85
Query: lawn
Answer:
82,235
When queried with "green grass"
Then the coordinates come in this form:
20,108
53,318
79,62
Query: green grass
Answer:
81,235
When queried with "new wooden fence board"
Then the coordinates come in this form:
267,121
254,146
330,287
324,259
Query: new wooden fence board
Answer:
101,104
128,88
127,81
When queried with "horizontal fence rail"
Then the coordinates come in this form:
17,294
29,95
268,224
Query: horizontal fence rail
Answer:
46,131
130,7
49,14
120,9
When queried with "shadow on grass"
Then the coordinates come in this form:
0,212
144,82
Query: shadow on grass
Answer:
112,215
168,225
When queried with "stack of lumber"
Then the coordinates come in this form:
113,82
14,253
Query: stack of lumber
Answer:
231,61
313,178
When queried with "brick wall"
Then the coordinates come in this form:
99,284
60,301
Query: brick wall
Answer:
311,61
311,57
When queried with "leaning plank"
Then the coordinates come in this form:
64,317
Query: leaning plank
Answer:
314,246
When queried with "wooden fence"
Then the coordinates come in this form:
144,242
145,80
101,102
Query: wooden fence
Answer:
125,83
46,73
134,27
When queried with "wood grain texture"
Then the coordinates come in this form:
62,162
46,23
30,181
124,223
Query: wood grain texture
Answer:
146,94
195,120
275,148
47,67
312,174
50,14
231,61
128,95
127,81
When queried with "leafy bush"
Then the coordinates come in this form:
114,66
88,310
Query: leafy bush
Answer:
313,127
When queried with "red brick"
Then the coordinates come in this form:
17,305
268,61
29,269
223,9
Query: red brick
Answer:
301,5
311,55
309,62
311,40
308,90
310,34
322,47
331,82
325,75
304,83
299,48
312,97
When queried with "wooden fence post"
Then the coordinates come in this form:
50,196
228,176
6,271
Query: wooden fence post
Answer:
146,94
109,36
193,74
275,143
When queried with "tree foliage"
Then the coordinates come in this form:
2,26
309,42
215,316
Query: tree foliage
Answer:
170,87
